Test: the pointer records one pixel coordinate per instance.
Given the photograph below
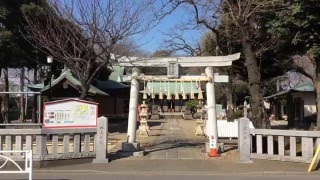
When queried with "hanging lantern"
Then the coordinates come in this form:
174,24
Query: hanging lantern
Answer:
200,95
168,92
152,91
191,92
160,92
144,91
184,96
176,94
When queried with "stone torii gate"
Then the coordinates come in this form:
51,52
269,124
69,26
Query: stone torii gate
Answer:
173,64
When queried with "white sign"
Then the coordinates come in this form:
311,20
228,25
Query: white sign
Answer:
70,113
213,143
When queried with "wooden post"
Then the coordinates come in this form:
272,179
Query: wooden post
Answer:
101,141
244,141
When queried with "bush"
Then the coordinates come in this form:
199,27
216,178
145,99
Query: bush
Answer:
238,114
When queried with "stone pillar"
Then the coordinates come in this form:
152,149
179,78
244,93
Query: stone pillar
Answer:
101,141
244,140
133,106
211,103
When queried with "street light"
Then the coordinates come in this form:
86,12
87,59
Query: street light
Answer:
49,61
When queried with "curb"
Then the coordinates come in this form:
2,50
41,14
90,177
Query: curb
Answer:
204,173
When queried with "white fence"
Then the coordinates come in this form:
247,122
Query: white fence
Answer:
227,129
5,160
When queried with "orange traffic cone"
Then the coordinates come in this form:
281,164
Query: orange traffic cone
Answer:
213,147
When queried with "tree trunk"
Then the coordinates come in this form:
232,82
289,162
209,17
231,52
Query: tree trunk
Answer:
317,88
6,96
1,112
316,84
84,91
256,103
22,100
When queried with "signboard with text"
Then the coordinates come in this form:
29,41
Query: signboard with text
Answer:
70,113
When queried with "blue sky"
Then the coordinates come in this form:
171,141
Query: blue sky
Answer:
153,39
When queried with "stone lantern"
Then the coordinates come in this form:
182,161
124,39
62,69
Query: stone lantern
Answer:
143,128
200,119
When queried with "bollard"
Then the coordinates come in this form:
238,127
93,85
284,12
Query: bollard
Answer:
101,141
244,141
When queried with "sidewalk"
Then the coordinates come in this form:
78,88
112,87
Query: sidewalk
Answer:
172,148
212,166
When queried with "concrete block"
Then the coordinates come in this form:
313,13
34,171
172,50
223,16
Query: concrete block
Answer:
100,161
130,147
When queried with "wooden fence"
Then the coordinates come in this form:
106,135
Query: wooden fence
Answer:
282,145
53,144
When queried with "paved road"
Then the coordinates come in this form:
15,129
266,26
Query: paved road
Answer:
158,176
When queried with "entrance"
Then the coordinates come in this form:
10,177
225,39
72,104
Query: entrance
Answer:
171,106
170,88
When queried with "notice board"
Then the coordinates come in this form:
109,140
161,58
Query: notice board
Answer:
70,113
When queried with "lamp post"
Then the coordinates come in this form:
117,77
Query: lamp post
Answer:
49,61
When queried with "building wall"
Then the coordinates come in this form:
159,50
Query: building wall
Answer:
309,102
112,106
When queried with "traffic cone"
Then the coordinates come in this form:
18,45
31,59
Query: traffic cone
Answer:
213,147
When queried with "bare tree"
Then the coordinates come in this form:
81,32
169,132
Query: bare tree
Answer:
242,22
78,33
177,42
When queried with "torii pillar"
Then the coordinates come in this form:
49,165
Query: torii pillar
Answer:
131,145
211,103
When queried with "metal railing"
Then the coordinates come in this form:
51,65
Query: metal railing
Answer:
18,169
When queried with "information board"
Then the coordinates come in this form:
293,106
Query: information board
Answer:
70,113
